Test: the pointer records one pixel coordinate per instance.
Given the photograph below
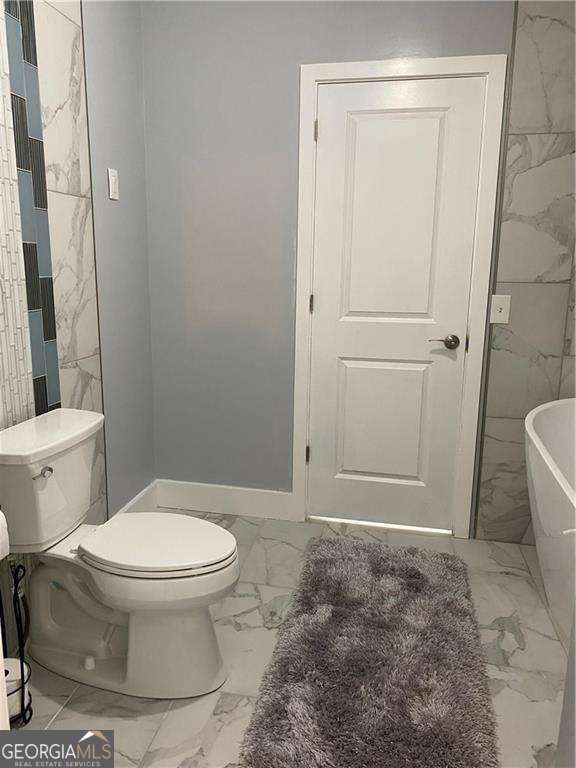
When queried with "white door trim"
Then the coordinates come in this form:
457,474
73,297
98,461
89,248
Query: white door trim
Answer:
493,68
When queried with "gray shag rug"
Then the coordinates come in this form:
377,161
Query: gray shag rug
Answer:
377,665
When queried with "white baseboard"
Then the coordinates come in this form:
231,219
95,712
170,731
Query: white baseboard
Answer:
249,502
228,500
145,501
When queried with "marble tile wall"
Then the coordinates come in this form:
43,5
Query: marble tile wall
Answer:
65,127
532,357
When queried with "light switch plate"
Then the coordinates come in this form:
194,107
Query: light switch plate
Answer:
500,308
113,188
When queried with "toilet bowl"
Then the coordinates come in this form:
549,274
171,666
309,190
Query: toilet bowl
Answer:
125,605
122,606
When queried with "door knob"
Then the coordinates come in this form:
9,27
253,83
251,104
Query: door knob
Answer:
450,342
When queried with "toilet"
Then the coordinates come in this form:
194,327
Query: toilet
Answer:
124,605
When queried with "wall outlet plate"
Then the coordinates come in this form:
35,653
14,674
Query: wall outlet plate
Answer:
113,188
500,308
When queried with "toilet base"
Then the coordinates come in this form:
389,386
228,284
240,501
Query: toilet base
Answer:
151,654
173,655
108,675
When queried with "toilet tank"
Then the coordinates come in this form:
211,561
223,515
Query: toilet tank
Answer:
46,466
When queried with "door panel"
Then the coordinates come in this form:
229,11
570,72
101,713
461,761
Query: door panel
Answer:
392,160
396,187
381,398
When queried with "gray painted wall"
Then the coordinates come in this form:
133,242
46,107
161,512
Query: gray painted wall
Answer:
113,53
221,90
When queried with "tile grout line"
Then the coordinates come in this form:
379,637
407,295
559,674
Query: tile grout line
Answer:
160,724
87,196
53,718
535,585
524,558
560,132
65,363
54,6
249,551
543,600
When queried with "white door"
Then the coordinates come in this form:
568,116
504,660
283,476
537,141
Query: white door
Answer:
396,186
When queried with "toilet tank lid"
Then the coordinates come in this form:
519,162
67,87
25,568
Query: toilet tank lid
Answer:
46,435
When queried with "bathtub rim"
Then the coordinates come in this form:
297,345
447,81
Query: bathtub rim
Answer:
544,452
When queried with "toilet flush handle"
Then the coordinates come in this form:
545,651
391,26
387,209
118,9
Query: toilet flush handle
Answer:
45,472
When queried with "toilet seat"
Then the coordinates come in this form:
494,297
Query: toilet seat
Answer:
151,545
176,574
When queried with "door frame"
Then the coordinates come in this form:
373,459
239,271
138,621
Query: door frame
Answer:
493,69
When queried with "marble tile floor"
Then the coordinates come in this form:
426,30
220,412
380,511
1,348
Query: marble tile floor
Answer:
525,660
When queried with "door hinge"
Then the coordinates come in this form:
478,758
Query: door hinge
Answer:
315,130
467,344
307,454
311,303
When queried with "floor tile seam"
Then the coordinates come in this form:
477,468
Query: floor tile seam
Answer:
64,704
157,730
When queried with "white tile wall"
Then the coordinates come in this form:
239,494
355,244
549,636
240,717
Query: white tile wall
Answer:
543,86
64,118
63,98
532,357
74,273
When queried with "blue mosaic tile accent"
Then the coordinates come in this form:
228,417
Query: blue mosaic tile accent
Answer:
27,211
12,7
15,56
33,101
28,30
21,135
43,242
52,374
48,312
38,173
37,343
40,395
33,294
33,202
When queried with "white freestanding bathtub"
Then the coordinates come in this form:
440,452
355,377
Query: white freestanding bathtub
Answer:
550,455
